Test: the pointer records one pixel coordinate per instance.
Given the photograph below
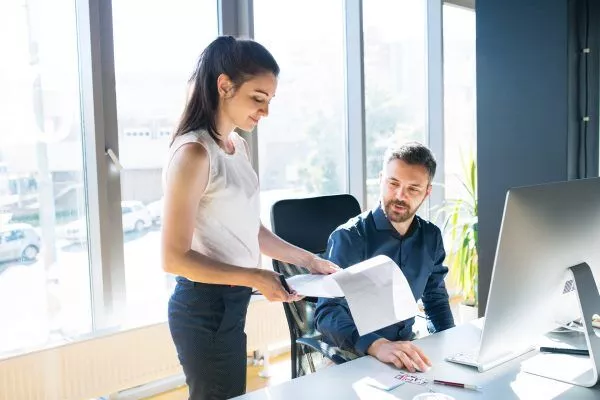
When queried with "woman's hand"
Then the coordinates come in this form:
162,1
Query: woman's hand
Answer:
318,265
269,285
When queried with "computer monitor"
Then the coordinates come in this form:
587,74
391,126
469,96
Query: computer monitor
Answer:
545,230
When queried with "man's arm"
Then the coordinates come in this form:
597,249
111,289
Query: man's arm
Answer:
332,316
435,296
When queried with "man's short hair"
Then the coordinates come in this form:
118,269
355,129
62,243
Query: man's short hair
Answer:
412,153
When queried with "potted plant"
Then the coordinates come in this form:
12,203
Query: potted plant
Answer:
460,229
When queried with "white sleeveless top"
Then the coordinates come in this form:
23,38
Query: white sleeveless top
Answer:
228,215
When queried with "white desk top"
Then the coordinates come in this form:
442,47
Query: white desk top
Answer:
503,382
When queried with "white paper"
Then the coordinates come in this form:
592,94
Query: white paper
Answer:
377,292
315,285
384,381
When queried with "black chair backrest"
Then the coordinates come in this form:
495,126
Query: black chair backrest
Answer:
307,223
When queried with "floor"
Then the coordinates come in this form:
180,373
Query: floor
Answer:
279,370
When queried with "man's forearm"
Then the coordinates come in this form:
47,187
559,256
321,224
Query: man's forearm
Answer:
439,314
368,343
334,322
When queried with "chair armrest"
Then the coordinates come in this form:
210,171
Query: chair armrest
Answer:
326,350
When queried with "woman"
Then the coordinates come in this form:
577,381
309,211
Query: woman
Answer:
212,235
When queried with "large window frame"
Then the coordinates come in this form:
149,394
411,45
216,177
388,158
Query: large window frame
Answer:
101,142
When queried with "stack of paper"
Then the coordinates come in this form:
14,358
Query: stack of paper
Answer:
377,292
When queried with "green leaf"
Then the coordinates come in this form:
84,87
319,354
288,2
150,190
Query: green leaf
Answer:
461,230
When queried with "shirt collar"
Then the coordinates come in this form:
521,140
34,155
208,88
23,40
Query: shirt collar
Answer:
382,223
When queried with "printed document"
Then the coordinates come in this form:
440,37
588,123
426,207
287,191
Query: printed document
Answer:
376,290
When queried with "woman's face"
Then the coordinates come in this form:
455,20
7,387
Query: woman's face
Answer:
246,105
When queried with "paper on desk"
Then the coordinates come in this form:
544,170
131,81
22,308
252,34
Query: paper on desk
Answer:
383,381
377,292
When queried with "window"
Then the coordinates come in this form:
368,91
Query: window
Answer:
459,97
44,277
395,80
156,48
302,144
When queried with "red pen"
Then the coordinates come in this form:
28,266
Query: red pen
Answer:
455,384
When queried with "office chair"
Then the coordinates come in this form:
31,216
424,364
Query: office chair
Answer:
307,223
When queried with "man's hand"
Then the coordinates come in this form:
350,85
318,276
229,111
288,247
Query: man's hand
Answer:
402,354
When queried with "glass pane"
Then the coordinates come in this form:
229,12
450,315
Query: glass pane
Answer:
44,262
302,150
157,44
459,97
395,80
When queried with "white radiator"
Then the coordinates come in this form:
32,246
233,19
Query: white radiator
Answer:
92,367
266,325
108,364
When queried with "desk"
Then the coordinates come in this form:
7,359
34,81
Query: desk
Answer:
503,382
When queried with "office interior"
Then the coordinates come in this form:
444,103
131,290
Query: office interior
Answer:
504,92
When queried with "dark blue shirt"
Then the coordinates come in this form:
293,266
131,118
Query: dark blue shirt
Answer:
419,254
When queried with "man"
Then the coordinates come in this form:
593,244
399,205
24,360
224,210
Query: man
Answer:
392,229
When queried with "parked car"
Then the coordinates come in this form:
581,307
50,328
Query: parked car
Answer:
136,217
19,242
155,209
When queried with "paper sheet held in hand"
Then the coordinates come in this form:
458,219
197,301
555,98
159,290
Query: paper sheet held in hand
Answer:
377,292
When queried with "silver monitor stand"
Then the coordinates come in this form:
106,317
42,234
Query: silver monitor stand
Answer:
589,302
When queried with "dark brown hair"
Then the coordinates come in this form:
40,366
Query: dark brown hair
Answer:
412,153
240,60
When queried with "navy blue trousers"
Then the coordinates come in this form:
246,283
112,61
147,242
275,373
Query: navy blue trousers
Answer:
207,326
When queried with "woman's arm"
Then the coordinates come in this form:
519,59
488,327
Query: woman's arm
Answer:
186,181
273,246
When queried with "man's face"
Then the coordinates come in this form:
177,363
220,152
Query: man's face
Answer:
404,188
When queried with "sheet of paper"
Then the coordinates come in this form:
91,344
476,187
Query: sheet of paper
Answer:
377,292
384,381
368,388
315,285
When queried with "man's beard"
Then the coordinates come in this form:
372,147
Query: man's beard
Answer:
395,216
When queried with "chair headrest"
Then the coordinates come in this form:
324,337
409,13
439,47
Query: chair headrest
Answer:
308,222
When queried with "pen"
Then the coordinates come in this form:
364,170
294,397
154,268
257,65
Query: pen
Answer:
559,350
455,384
